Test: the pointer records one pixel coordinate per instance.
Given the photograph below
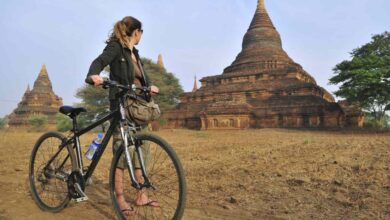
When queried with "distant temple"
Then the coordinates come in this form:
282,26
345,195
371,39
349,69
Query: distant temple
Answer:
195,88
263,87
160,61
41,100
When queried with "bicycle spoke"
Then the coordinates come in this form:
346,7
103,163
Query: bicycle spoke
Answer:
49,191
164,176
155,160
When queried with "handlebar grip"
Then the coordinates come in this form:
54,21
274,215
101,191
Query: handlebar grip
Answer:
109,83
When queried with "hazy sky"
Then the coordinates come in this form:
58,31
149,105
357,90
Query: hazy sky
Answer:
196,37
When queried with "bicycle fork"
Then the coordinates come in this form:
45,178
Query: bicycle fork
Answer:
134,146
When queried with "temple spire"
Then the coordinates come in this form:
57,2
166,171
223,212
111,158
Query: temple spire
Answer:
160,61
261,5
195,85
43,70
42,80
261,47
261,18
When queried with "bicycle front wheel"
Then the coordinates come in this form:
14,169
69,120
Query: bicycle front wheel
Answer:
48,183
166,199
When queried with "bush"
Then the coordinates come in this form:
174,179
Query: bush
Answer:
162,121
38,122
63,122
370,121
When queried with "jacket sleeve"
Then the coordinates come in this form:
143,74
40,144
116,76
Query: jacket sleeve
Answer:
109,53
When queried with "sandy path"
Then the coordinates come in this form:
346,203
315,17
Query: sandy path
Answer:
255,174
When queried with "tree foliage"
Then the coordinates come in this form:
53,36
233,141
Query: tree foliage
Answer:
170,88
365,79
96,101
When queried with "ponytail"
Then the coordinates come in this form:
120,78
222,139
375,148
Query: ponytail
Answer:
124,28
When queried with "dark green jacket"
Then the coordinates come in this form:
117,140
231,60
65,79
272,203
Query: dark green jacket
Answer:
121,66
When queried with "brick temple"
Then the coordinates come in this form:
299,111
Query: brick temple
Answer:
41,100
262,88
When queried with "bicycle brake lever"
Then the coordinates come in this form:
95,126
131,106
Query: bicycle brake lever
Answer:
109,83
105,86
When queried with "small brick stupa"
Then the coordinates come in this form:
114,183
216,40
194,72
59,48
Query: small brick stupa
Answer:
263,87
160,61
41,100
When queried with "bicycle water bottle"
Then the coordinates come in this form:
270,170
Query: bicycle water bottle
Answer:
96,143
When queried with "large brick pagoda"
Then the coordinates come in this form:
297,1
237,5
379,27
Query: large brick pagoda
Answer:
41,100
263,87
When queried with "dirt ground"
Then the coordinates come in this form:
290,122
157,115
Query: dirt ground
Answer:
252,174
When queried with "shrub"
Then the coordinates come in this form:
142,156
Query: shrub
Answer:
370,121
162,121
38,122
2,123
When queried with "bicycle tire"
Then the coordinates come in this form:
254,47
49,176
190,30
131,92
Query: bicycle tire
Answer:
178,182
41,183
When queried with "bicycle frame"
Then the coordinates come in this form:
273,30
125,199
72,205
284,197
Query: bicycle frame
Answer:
118,117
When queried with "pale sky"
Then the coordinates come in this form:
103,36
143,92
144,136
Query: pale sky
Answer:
195,37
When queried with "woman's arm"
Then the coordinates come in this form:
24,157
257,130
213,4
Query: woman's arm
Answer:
109,53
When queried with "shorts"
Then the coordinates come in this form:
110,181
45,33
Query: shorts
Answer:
145,147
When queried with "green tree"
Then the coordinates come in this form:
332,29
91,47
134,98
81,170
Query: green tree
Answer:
365,79
170,88
38,122
96,101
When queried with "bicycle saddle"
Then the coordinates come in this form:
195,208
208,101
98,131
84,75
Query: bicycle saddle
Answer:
71,111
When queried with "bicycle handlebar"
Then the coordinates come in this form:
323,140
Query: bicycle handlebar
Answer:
113,84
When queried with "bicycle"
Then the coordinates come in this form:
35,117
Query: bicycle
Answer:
57,174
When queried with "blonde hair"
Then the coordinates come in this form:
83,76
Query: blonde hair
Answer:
124,28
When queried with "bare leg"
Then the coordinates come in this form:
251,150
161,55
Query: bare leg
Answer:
142,195
123,205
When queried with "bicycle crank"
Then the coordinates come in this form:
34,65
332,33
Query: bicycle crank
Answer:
76,187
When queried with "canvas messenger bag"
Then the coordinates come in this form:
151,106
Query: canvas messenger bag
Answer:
141,111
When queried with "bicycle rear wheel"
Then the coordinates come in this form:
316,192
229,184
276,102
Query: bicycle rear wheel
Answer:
166,174
49,186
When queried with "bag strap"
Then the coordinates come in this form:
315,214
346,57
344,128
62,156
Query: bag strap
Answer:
142,72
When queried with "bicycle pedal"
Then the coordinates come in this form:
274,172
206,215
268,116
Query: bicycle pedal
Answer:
83,196
81,199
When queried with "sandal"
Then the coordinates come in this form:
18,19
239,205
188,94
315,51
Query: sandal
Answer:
151,203
131,210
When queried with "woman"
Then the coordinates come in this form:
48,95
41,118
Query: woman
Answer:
126,69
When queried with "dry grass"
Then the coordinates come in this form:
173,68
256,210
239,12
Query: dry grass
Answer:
254,174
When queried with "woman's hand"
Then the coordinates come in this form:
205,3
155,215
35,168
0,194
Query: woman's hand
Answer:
154,90
97,80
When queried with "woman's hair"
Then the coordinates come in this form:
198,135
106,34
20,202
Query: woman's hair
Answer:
123,28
